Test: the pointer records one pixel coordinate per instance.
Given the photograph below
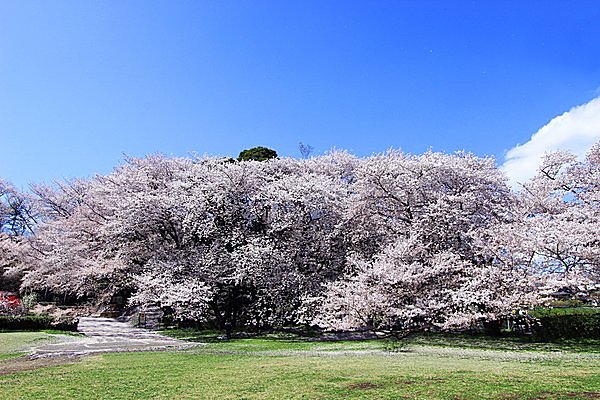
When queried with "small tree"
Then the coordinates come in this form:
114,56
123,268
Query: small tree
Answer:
305,149
257,154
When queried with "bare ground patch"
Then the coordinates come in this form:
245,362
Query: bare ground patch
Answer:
27,363
553,396
363,386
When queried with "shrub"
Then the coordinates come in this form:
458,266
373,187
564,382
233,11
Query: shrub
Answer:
29,301
36,322
567,323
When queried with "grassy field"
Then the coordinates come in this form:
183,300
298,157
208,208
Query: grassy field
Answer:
14,344
290,341
441,367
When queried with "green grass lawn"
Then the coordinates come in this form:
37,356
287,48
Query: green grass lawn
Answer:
289,341
278,368
13,344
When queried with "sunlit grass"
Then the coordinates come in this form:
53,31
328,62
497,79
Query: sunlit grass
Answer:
13,344
275,368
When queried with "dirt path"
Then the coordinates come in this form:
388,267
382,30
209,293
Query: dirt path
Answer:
26,363
100,335
103,335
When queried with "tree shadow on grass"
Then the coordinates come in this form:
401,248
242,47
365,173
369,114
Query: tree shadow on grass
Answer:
395,344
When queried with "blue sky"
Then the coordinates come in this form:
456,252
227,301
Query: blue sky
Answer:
84,82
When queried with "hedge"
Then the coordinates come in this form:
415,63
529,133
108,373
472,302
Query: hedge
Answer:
567,323
35,322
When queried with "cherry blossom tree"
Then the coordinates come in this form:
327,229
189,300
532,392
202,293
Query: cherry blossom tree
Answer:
260,235
553,232
17,220
392,241
240,241
404,289
69,256
436,197
417,263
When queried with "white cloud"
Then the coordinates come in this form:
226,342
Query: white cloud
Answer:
576,130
